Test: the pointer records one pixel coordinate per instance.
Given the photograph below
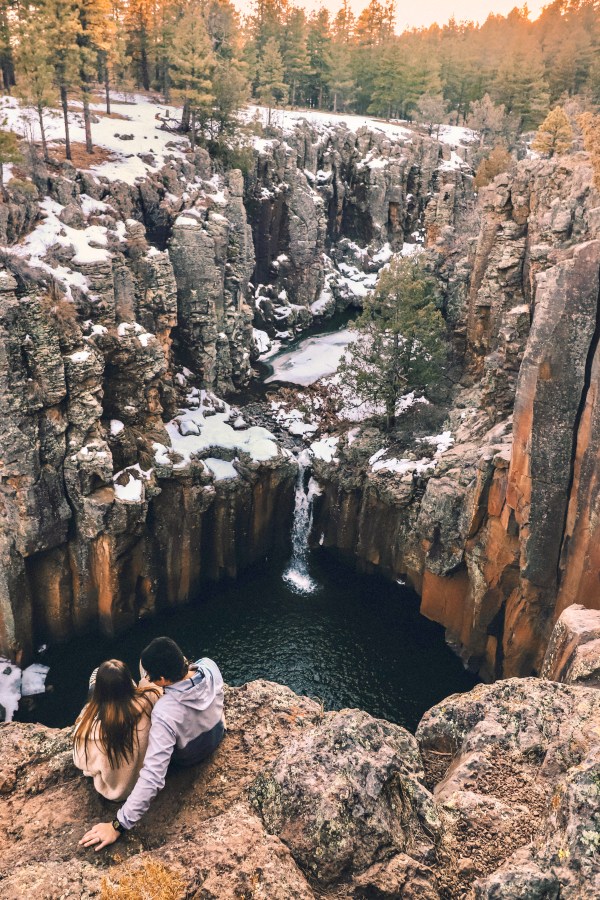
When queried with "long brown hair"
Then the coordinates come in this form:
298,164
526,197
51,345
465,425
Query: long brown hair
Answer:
116,706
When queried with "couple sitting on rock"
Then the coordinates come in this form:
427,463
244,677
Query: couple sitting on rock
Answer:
126,735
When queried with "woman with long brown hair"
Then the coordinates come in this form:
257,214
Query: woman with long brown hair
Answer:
111,732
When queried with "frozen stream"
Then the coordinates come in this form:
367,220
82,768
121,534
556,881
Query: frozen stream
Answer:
313,358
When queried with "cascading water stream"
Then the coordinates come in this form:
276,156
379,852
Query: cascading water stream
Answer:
297,576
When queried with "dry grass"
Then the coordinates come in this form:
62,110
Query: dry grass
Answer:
80,157
149,881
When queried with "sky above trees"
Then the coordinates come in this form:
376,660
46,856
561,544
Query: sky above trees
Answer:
416,15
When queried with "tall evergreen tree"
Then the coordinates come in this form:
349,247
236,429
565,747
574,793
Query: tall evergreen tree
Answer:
63,27
35,69
138,24
521,86
7,63
400,345
294,51
193,63
272,89
341,81
93,38
319,53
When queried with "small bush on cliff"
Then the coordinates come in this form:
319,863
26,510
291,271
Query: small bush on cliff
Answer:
9,153
497,162
400,345
555,135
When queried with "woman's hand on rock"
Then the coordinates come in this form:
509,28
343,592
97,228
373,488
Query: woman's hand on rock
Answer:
101,835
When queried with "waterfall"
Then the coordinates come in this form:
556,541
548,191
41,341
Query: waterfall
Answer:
297,576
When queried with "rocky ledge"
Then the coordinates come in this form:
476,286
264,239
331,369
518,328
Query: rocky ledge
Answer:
496,797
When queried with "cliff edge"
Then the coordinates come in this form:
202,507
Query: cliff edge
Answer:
496,796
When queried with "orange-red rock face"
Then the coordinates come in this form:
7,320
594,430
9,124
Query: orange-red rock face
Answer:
505,533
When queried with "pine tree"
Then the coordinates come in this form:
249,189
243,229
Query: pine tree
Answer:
319,47
554,135
113,59
9,153
35,86
375,24
431,111
63,28
400,345
138,25
521,86
230,88
94,38
344,25
272,89
193,65
294,51
6,50
341,81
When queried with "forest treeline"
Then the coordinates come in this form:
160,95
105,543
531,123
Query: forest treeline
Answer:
504,75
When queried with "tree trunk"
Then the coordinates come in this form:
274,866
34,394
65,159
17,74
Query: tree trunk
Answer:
185,116
144,69
193,131
40,113
107,87
165,81
65,108
2,188
269,119
335,102
293,98
86,118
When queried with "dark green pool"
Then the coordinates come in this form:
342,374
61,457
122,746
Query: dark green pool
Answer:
357,641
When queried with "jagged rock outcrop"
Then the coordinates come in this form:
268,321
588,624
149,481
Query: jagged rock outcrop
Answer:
497,533
301,803
573,654
120,299
373,807
319,191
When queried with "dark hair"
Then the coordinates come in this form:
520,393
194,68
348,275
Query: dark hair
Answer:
162,658
116,706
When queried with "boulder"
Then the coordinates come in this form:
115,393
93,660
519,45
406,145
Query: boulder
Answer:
573,654
398,877
348,794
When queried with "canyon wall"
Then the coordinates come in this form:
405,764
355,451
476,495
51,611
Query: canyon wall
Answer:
499,535
124,305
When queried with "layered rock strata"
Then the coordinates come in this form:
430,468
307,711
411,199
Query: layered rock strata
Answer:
497,796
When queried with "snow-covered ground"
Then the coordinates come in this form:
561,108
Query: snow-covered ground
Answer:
16,683
286,120
380,462
209,429
142,122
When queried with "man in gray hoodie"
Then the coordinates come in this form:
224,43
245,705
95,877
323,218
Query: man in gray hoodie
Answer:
187,725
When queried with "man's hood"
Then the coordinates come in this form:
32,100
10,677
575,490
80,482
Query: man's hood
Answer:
199,691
